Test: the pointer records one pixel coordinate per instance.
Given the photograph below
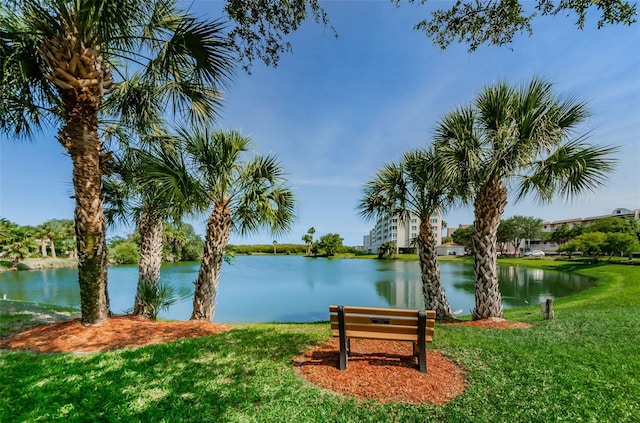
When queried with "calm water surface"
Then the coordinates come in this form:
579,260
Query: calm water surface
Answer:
295,288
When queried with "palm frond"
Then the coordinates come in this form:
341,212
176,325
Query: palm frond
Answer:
572,169
262,199
459,151
27,100
137,104
382,195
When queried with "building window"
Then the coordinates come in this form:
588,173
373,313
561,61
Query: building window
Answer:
434,220
414,228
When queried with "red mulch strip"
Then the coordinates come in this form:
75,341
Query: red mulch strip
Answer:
384,371
117,332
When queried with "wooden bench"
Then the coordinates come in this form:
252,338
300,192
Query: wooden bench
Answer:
393,324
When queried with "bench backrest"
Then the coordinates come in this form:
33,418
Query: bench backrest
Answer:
382,323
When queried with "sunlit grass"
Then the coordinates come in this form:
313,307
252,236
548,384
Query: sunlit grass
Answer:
582,366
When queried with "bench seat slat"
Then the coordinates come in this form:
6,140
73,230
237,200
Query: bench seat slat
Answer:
397,321
381,311
411,330
366,319
378,335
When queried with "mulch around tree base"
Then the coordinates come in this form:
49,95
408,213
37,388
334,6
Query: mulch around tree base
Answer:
384,371
117,332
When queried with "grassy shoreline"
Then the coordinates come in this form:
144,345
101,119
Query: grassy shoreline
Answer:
582,366
38,264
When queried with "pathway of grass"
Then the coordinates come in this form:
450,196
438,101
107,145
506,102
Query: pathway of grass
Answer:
582,366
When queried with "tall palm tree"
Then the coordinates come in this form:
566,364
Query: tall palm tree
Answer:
61,60
308,240
519,135
140,174
414,187
49,231
242,194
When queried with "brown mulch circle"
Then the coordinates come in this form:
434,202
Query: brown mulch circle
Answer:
117,332
384,371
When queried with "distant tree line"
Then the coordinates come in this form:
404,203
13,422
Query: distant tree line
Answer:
511,232
327,246
180,242
608,237
612,236
53,238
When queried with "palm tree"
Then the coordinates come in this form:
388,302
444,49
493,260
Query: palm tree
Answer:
244,195
61,59
174,239
49,231
135,189
414,187
521,136
308,239
310,232
18,242
5,229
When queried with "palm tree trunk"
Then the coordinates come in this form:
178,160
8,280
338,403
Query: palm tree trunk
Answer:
80,138
52,246
216,239
150,229
488,208
434,296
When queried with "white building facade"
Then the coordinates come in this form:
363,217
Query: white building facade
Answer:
400,232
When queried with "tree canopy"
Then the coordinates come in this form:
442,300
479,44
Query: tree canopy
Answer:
260,27
496,22
330,244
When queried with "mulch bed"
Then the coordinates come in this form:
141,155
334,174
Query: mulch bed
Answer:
117,332
384,371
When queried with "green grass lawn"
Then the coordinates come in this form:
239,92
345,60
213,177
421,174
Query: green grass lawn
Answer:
582,366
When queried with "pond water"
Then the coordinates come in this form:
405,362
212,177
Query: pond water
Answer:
296,288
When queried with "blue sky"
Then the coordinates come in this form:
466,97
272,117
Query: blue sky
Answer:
335,110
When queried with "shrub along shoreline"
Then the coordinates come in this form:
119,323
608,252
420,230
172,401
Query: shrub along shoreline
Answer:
582,366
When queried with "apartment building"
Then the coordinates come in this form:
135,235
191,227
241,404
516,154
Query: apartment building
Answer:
401,232
552,225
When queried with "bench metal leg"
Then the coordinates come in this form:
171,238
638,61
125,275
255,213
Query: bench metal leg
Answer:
422,341
344,342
